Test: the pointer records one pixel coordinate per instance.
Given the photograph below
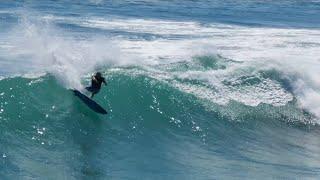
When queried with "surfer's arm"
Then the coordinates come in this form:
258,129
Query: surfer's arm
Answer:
94,79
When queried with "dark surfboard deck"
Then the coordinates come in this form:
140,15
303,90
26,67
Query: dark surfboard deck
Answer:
89,102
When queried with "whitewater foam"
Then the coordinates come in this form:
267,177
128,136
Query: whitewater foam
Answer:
44,47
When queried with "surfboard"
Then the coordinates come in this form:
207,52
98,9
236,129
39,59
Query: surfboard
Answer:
89,102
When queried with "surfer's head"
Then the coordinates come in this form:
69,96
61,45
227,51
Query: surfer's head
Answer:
98,74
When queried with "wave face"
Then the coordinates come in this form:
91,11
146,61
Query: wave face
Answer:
196,90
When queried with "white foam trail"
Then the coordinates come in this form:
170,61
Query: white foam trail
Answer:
215,90
190,38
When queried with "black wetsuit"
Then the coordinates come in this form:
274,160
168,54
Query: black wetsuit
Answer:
96,84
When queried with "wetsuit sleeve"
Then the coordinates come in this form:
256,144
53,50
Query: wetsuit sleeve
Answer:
94,79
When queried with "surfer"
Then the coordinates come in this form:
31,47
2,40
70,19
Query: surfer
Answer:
96,81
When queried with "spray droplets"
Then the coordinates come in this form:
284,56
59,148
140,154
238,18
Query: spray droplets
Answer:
40,135
41,131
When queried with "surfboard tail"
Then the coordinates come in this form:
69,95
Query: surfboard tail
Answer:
89,102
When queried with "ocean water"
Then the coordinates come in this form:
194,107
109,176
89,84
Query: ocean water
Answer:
196,89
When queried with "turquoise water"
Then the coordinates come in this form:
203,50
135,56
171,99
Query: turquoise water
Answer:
196,89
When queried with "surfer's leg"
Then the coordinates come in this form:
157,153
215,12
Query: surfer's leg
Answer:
93,91
90,89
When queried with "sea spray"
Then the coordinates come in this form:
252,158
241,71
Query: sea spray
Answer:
43,48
